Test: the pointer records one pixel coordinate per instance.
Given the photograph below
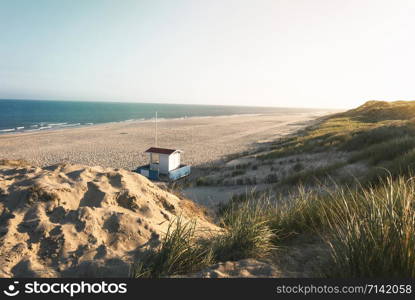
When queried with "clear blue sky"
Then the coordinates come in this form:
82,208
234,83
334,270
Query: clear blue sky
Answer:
304,53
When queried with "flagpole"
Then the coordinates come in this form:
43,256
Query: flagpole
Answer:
156,130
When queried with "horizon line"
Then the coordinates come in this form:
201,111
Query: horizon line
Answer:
197,104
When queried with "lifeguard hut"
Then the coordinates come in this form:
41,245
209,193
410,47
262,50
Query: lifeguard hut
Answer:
164,163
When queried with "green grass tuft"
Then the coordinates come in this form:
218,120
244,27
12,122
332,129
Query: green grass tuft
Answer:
247,232
179,253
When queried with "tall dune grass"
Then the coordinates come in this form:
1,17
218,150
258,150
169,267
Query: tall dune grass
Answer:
372,232
247,232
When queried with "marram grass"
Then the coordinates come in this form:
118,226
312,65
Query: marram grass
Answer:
370,231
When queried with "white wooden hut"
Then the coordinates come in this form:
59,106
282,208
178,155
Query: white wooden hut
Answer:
164,161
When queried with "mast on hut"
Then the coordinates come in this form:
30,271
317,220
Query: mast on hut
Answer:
155,142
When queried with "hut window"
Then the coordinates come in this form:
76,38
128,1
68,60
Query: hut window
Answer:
155,158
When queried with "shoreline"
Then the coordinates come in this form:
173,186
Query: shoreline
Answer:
4,132
68,126
121,145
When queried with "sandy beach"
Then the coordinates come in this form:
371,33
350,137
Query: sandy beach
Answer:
88,217
121,145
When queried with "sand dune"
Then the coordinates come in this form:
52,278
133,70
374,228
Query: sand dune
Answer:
74,220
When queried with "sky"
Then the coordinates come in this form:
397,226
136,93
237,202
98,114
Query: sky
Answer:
288,53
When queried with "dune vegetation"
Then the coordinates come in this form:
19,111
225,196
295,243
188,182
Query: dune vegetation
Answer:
367,221
378,134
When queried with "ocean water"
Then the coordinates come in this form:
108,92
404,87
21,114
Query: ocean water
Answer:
34,115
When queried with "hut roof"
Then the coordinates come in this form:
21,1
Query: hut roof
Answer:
161,150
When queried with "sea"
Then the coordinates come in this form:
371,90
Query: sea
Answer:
18,116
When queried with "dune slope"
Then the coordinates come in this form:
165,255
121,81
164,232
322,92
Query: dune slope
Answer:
77,221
